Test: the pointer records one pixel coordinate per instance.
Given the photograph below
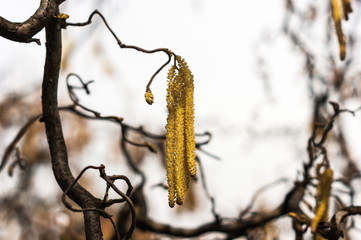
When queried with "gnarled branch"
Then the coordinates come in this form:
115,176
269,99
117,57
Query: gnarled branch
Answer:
24,32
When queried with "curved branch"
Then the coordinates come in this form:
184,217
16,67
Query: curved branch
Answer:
100,211
239,227
54,133
15,141
122,45
24,32
236,229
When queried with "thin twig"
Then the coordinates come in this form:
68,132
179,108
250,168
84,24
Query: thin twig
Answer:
103,213
257,193
17,138
121,45
206,190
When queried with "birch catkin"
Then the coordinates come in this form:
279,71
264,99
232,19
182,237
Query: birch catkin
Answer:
180,138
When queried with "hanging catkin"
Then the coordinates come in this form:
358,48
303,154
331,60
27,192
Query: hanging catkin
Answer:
180,138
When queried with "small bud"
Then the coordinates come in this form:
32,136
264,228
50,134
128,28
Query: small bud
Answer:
149,97
62,16
151,147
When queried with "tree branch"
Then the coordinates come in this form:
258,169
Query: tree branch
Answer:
24,32
54,132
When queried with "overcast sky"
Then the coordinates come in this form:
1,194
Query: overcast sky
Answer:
260,125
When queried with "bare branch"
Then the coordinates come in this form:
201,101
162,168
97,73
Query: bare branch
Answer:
24,32
54,131
102,212
15,141
121,45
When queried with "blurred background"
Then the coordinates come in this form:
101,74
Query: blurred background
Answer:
260,69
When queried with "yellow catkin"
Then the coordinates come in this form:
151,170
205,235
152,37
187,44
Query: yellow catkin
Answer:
189,116
170,138
180,138
336,15
170,159
181,174
322,196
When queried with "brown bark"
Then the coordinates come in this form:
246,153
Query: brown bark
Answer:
54,133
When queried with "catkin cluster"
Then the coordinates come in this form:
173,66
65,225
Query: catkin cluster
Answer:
180,138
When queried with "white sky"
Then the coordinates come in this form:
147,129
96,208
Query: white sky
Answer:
221,41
